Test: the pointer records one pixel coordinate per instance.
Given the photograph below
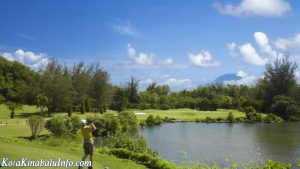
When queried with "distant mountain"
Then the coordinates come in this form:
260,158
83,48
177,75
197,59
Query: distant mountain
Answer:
227,77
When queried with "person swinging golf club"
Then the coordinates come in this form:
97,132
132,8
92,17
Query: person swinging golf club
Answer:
87,127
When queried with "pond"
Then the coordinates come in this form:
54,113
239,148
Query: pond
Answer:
214,142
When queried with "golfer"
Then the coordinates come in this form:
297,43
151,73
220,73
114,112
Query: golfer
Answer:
87,128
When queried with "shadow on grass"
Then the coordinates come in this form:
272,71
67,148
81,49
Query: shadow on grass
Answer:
40,137
25,115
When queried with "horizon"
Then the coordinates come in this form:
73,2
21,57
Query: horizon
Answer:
170,42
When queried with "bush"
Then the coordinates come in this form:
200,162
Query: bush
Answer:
150,121
219,119
123,140
197,120
271,118
63,126
165,107
148,160
168,120
248,110
294,118
284,107
142,123
36,124
106,124
128,122
209,120
158,120
230,117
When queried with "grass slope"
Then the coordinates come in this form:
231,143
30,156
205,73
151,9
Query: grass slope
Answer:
188,114
36,152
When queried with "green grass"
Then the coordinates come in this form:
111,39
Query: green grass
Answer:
24,112
36,152
17,130
188,114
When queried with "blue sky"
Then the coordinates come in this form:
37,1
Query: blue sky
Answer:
180,43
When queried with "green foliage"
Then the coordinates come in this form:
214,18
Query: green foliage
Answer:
152,121
142,123
132,93
36,124
61,126
209,120
107,124
124,140
129,122
230,117
146,159
119,100
271,118
284,107
13,106
279,79
42,102
100,88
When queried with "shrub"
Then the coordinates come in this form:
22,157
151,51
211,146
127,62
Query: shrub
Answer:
158,120
294,118
63,126
284,107
165,107
106,124
128,122
271,118
142,123
209,120
36,124
124,140
168,120
150,121
230,117
148,160
197,120
219,119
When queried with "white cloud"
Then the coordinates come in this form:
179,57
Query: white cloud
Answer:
167,62
266,8
173,82
125,28
141,58
203,59
245,79
232,49
263,42
292,43
250,56
29,58
146,82
242,74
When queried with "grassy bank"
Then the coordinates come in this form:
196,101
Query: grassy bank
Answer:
15,151
187,114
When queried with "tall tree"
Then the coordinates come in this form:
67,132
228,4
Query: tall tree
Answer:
279,79
100,89
42,102
132,93
81,77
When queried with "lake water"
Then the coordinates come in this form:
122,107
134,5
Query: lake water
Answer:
215,142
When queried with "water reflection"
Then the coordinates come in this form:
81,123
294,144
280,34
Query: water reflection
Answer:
214,142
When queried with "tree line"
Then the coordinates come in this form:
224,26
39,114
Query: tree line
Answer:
87,88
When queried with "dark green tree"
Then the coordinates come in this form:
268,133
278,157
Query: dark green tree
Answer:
279,79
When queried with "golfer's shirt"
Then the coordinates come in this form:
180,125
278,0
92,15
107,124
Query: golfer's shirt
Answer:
86,132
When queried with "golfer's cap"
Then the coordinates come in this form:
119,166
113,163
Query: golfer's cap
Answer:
83,122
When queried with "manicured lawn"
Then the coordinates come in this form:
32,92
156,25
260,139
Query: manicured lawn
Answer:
17,130
24,112
187,114
36,152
